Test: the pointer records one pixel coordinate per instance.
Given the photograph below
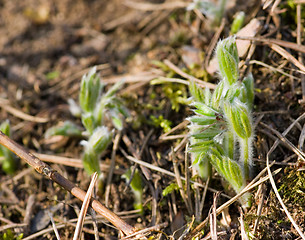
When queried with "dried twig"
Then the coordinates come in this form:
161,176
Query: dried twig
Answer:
48,172
179,182
187,76
291,45
84,208
54,226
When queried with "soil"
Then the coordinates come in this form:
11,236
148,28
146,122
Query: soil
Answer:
46,47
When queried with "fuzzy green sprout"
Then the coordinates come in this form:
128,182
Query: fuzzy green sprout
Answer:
9,163
237,22
95,107
221,129
136,187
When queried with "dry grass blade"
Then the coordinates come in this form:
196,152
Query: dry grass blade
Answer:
291,45
179,126
281,137
54,226
276,3
213,218
288,56
285,132
243,233
17,113
12,225
141,233
187,177
187,76
181,188
272,68
72,162
261,192
143,6
84,208
203,197
111,168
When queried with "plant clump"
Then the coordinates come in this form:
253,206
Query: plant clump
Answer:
94,108
221,131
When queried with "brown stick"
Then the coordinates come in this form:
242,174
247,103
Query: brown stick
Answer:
47,171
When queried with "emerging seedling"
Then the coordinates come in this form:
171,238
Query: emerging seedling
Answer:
238,22
8,161
94,108
136,187
221,129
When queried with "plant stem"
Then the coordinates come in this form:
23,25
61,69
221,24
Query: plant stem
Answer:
245,155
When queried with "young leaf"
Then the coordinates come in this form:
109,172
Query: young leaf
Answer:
89,91
67,129
237,22
116,120
204,109
197,92
202,120
88,120
247,95
238,118
99,140
228,169
227,56
217,96
91,162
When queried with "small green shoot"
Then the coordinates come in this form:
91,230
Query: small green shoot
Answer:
52,75
9,163
170,188
95,107
136,187
221,129
68,129
238,22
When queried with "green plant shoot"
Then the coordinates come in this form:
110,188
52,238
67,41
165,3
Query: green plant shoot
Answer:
9,163
95,107
136,187
221,131
237,22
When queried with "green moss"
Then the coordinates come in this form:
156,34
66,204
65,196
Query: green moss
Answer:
292,188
